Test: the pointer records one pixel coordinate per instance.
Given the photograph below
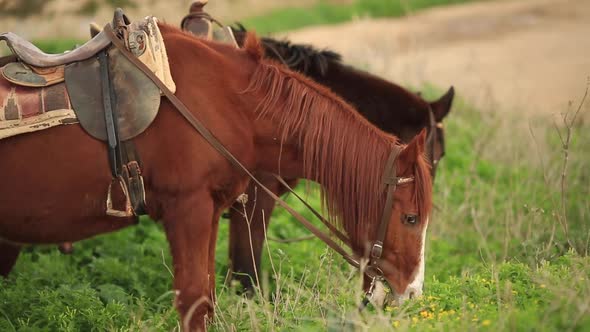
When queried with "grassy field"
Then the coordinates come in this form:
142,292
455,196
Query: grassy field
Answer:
289,18
507,250
325,12
498,254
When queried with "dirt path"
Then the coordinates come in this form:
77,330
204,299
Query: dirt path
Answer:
528,56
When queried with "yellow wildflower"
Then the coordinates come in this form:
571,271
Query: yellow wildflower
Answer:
486,322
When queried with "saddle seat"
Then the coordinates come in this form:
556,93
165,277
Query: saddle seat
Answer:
28,53
201,24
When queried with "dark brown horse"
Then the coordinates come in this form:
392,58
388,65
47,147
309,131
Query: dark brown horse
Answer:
387,105
54,182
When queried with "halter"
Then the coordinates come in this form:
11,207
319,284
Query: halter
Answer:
390,179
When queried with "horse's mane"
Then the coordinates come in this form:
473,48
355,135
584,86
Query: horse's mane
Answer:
301,57
340,148
374,97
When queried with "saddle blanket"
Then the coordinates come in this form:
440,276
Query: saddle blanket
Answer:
25,109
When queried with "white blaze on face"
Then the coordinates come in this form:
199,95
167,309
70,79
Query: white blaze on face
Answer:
380,294
417,284
415,287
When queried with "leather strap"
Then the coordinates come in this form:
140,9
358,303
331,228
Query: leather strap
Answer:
130,172
430,138
109,113
331,227
390,180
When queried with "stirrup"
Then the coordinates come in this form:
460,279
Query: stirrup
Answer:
128,212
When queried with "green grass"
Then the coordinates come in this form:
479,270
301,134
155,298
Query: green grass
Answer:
492,261
57,45
48,45
325,12
498,257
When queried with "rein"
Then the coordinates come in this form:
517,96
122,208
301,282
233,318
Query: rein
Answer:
390,178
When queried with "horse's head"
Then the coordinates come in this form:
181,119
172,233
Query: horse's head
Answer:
401,264
419,114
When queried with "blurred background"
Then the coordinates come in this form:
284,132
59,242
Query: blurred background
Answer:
525,55
70,18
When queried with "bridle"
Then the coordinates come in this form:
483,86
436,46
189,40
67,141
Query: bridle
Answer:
390,179
431,138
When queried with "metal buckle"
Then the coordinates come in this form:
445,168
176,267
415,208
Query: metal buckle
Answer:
377,250
369,293
405,180
374,271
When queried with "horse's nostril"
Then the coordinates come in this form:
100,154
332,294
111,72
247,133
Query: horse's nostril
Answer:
411,295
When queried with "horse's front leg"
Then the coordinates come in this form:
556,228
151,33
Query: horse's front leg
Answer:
248,223
188,227
212,245
248,227
8,255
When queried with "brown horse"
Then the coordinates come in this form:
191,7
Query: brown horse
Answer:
387,105
272,120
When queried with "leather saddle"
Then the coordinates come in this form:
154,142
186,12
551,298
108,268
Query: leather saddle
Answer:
28,53
135,97
113,100
201,24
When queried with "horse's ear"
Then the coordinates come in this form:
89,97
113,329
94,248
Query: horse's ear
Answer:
413,150
253,46
442,106
95,29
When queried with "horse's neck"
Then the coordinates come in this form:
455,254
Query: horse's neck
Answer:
340,151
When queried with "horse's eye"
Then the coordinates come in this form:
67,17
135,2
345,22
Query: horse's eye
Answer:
409,219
